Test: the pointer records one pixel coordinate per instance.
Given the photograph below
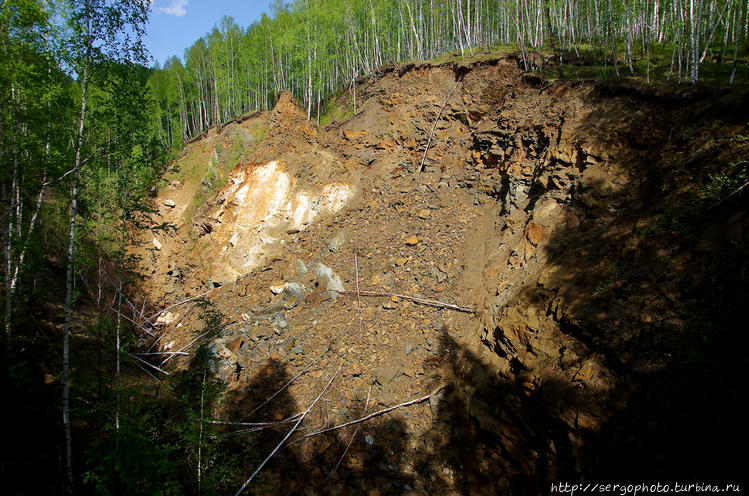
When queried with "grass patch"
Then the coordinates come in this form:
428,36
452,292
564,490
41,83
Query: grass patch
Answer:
259,131
594,64
340,108
187,168
479,54
703,196
590,62
608,280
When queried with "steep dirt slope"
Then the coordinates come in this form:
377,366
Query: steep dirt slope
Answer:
572,222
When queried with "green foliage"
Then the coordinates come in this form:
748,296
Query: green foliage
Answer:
142,464
740,138
654,69
722,185
35,117
213,319
155,450
237,149
340,110
259,131
714,191
608,280
715,318
188,167
218,148
317,48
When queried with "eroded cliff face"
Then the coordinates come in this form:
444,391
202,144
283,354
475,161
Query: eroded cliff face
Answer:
574,217
260,207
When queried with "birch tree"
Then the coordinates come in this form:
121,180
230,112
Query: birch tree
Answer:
99,30
317,47
31,140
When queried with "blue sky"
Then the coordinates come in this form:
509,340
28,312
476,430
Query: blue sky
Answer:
176,24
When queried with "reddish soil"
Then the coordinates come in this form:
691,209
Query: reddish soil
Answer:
541,205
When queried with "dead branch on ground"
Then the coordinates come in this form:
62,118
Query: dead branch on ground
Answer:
415,299
162,353
136,324
147,372
174,323
253,426
149,319
371,415
358,296
356,430
434,127
278,446
737,191
287,384
184,347
148,363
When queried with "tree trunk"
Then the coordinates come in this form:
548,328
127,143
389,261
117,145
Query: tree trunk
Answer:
69,288
9,249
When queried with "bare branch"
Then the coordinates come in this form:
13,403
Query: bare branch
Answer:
258,427
287,384
278,446
429,142
356,430
147,372
184,347
251,424
358,296
156,341
737,191
149,319
149,364
371,415
58,179
139,326
423,301
162,353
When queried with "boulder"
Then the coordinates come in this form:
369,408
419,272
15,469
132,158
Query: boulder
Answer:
386,375
296,290
336,242
329,280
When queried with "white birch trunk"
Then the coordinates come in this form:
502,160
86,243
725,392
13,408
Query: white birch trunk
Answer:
69,286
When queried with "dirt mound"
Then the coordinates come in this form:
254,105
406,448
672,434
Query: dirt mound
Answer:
287,109
531,268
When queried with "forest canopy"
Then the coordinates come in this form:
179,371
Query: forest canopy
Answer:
316,47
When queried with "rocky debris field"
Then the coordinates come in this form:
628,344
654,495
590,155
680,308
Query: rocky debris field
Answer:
534,277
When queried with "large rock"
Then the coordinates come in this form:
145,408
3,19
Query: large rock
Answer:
296,290
336,242
329,280
386,375
546,212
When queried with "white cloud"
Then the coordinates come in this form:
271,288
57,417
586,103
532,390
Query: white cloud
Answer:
175,8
